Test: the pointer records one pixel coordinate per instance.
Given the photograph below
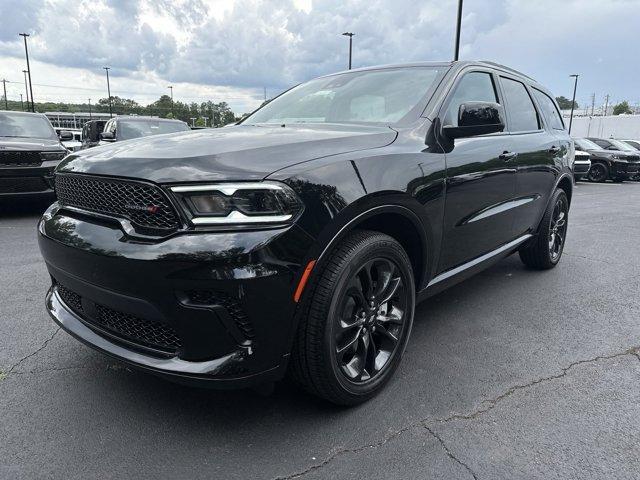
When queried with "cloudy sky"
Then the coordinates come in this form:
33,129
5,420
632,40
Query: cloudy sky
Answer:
230,50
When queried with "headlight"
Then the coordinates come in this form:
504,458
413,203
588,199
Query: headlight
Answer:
239,203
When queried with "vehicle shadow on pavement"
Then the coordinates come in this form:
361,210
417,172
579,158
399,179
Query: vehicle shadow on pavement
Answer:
15,208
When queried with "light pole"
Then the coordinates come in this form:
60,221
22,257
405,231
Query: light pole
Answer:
350,35
573,101
26,89
106,69
26,52
90,109
170,87
4,84
458,28
21,103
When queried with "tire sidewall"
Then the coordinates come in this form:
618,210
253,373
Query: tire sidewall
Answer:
547,223
388,249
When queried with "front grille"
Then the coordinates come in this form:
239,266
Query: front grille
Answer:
125,326
233,308
145,205
23,184
20,159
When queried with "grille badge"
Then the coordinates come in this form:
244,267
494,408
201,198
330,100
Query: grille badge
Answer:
143,208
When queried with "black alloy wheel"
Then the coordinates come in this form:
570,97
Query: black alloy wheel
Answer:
355,321
558,228
598,173
370,321
545,249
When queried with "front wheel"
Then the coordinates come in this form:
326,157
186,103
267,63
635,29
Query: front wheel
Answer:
598,172
356,320
545,251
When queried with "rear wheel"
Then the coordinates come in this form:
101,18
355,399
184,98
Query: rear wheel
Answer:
356,320
546,249
598,172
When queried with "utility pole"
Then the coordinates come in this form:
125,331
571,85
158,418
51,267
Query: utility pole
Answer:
90,109
26,52
265,93
170,87
458,28
4,84
109,91
26,89
21,103
593,102
350,35
573,101
606,105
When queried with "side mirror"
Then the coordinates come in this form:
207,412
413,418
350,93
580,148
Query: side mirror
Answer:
65,136
108,137
477,118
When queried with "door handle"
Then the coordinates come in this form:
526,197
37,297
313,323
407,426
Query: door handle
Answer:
554,150
506,156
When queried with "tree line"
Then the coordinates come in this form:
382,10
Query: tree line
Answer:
205,113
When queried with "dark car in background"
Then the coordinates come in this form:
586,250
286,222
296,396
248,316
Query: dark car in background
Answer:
608,164
91,131
129,127
632,143
301,239
29,151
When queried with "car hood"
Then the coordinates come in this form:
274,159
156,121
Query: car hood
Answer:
30,144
240,152
620,153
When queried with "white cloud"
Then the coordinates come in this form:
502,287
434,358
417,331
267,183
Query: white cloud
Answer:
238,46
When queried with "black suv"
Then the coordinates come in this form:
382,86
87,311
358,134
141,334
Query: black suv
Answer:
300,239
609,161
29,151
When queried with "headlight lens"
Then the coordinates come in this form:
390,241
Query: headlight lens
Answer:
239,203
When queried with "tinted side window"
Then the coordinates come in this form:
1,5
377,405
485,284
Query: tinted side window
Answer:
474,87
600,143
549,109
522,114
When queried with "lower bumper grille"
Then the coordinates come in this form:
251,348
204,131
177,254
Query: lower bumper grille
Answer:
232,307
124,326
23,185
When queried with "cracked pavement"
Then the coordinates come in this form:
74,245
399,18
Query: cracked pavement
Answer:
511,374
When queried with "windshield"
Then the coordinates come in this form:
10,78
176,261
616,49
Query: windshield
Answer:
25,126
374,96
585,144
143,128
622,146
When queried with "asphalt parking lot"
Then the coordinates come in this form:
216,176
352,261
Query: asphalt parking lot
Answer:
512,374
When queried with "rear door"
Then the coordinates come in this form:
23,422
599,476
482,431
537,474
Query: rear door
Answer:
480,181
539,152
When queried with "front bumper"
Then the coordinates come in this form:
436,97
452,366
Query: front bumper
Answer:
26,181
227,297
581,168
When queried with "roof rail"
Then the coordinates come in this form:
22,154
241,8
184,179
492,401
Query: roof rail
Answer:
509,69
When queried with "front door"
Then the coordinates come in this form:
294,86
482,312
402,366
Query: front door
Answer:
481,180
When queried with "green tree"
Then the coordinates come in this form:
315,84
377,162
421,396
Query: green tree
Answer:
565,104
621,108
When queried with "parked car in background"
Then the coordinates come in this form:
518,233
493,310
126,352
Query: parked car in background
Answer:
632,143
608,164
129,127
75,143
581,164
29,151
301,238
91,131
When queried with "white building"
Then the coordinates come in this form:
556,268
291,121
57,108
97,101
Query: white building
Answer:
611,126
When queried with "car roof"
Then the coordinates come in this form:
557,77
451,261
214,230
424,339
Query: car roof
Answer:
24,114
135,118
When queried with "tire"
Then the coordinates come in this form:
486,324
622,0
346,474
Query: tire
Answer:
598,172
333,346
541,253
